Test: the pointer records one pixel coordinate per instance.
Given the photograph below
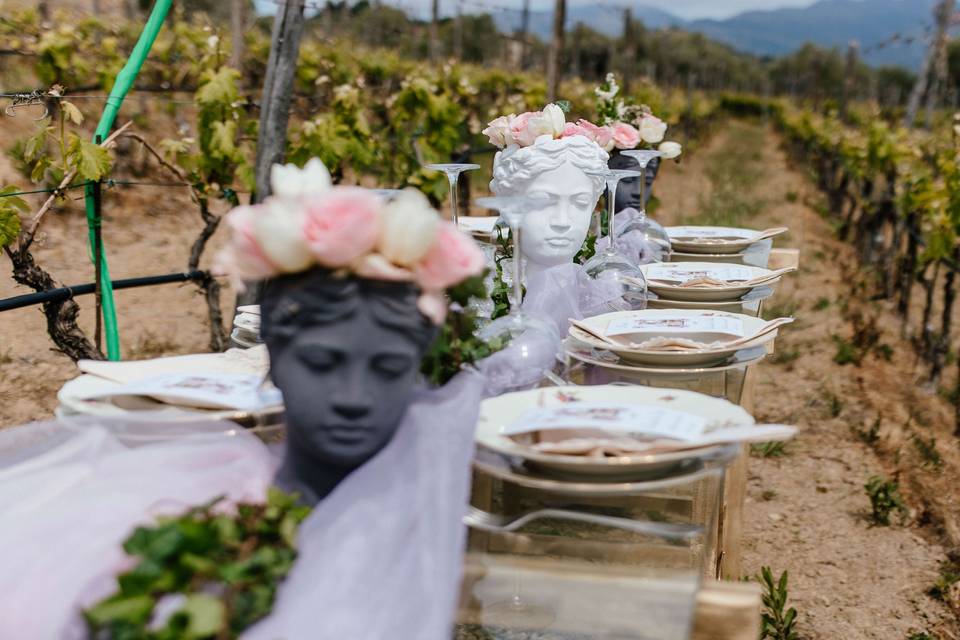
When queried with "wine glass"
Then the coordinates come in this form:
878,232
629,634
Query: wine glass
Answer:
453,171
610,264
652,232
532,340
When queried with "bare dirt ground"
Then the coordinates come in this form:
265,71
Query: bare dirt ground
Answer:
807,511
147,231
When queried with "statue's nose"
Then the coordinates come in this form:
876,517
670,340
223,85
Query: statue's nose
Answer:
560,221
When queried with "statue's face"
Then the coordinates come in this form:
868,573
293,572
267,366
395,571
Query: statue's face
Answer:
346,385
553,233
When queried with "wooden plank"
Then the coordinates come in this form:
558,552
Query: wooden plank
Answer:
727,611
783,258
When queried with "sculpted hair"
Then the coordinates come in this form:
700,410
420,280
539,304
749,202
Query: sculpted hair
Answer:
515,167
291,303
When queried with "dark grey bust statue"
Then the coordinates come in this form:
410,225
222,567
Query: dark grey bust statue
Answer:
346,354
628,191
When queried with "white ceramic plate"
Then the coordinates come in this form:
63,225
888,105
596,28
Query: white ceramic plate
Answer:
733,291
701,239
498,413
609,360
730,258
706,357
74,400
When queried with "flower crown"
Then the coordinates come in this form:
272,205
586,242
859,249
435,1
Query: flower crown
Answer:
536,127
617,117
307,222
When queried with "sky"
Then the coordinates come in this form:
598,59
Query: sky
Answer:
688,9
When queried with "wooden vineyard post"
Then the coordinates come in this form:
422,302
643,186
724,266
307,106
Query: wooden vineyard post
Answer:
944,12
275,106
556,50
278,91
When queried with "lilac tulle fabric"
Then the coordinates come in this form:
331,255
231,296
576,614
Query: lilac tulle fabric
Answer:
632,245
566,291
380,557
67,510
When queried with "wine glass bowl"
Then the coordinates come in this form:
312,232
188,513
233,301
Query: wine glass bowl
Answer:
453,171
610,264
653,233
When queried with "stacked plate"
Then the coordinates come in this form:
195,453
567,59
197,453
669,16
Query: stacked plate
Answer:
221,386
246,327
706,282
671,338
717,241
614,433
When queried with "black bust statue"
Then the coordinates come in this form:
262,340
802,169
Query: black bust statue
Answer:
628,191
346,354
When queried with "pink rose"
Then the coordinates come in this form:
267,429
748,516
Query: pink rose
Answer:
341,225
571,129
625,136
453,258
243,258
521,130
603,136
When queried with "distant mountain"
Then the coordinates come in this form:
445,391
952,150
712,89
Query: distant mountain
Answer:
776,32
603,18
830,23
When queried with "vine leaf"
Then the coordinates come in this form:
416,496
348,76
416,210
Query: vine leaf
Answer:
91,160
10,207
72,112
219,87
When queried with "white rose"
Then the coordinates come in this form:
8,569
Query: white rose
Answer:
652,129
498,131
408,228
540,124
556,118
278,228
289,181
670,150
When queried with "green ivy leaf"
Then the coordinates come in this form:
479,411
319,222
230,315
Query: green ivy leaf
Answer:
127,609
206,615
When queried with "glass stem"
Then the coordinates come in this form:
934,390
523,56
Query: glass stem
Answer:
611,205
454,204
517,276
643,192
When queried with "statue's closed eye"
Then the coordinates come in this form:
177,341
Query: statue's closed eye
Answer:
320,358
391,365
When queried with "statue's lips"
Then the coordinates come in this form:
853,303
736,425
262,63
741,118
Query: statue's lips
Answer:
349,432
558,242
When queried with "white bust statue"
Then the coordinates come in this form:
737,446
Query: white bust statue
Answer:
553,171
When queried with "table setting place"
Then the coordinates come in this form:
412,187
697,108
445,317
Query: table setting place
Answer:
366,386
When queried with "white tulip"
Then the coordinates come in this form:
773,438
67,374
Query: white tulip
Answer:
670,150
408,228
289,181
556,118
279,232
